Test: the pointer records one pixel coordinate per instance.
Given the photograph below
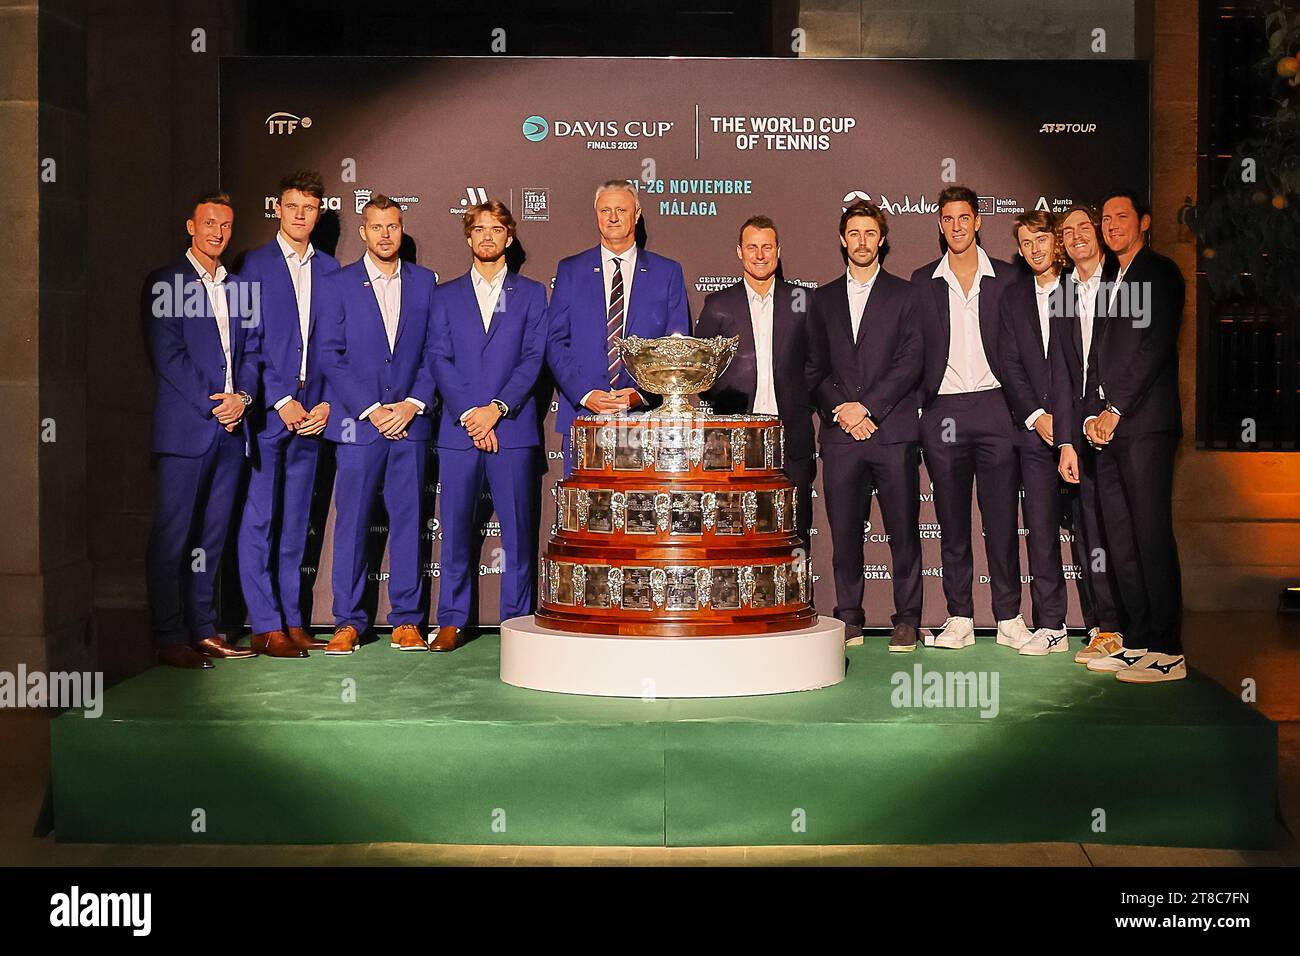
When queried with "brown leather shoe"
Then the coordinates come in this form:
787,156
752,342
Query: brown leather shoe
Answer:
407,637
344,641
446,639
217,647
306,640
903,638
182,655
277,644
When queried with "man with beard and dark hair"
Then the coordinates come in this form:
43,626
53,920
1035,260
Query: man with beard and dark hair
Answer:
865,364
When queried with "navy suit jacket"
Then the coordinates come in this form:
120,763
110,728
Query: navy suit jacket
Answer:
1026,374
279,335
1134,358
881,370
473,366
576,336
185,352
359,367
1065,353
936,322
726,312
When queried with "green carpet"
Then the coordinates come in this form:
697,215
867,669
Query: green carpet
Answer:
433,748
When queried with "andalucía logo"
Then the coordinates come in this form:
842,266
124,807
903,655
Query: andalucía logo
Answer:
536,128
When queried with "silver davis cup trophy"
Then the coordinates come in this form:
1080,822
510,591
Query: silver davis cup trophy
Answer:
676,366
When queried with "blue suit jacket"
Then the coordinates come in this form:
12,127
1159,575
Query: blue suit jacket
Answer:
279,336
185,352
359,367
472,366
576,338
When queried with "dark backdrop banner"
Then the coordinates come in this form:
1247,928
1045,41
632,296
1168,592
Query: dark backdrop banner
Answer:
710,142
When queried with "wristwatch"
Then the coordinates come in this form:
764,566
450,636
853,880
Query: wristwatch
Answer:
245,398
500,406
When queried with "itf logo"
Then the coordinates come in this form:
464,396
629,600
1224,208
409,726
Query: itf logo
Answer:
536,128
284,124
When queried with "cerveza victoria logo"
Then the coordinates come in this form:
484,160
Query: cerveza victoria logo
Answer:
286,124
598,133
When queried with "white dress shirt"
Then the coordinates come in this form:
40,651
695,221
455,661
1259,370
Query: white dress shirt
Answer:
760,318
968,365
859,293
388,293
488,293
1085,302
217,297
300,274
1043,299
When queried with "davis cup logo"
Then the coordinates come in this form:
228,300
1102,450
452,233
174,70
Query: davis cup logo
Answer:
535,129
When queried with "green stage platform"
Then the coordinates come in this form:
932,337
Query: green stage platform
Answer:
433,748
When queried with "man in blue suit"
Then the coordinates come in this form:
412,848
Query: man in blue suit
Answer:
489,337
967,427
376,353
600,296
196,323
286,421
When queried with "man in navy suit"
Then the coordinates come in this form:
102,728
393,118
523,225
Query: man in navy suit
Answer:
376,352
286,421
197,322
489,338
1074,334
865,364
768,373
967,431
1027,306
600,296
1135,421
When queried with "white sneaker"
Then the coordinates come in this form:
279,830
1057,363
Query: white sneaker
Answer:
1013,633
1046,641
1122,658
1155,668
958,632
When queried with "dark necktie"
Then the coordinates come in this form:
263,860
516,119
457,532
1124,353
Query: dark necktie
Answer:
614,324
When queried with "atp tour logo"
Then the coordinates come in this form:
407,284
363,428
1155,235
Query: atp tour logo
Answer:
285,124
535,129
1068,128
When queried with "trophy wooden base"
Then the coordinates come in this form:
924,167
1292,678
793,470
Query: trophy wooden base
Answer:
746,665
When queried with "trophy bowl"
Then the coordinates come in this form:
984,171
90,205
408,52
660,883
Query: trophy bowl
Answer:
676,366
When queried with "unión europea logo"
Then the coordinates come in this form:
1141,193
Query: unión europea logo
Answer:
536,128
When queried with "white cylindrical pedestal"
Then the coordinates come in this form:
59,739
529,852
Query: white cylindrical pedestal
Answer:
610,666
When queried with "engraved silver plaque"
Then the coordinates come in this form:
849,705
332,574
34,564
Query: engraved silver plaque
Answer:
730,512
640,513
568,509
680,583
600,513
563,585
764,586
663,506
765,519
778,502
687,513
717,450
636,589
596,592
725,591
673,450
756,449
627,450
